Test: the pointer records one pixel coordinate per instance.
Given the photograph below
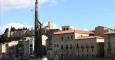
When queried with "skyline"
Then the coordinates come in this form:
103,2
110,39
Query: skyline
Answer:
83,14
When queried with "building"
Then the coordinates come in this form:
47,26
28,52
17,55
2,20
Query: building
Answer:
24,48
49,25
109,44
90,46
100,30
48,29
49,33
2,50
7,49
68,44
19,49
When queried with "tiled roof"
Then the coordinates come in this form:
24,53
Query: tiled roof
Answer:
64,32
73,31
89,37
83,31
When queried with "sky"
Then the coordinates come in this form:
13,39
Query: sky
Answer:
81,14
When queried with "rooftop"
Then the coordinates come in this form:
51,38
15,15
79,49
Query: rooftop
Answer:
109,33
90,37
72,31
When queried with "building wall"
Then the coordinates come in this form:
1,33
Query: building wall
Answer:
28,46
66,46
25,48
44,38
80,35
3,48
87,47
8,49
109,45
59,45
99,31
49,42
69,45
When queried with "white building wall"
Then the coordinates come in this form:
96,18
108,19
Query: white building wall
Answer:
62,40
76,47
80,35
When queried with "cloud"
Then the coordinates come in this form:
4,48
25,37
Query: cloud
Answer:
13,24
16,4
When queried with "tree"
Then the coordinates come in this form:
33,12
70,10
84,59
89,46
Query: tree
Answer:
6,30
12,29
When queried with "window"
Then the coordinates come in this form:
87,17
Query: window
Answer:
61,56
64,29
92,47
82,48
30,45
30,53
71,37
67,28
31,49
109,48
67,47
67,37
87,55
61,46
77,46
62,38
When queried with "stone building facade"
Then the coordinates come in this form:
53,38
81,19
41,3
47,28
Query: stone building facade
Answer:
72,43
109,44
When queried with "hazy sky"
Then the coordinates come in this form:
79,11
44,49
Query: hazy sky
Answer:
83,14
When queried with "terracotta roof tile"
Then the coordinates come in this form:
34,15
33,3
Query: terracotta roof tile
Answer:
83,31
64,32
